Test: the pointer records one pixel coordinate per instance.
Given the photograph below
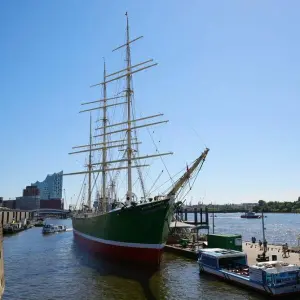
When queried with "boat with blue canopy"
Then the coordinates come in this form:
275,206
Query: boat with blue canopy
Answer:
275,278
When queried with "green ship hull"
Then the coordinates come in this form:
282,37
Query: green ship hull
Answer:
135,233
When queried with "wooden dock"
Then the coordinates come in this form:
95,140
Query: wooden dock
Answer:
201,218
7,216
187,252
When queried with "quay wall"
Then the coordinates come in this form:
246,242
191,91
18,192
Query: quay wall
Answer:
7,216
2,279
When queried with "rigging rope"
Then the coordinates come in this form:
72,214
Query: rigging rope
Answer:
195,177
80,190
149,193
168,181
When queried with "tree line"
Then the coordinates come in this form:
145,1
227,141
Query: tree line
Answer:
279,207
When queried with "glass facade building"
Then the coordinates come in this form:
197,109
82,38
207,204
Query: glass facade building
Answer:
51,187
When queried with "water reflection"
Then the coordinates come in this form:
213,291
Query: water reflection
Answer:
117,270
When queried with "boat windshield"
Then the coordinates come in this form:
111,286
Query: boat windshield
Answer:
231,262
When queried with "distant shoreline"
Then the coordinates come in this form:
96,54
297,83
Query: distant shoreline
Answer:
191,211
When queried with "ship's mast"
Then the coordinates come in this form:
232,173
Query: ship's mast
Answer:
104,150
128,97
113,194
89,203
129,123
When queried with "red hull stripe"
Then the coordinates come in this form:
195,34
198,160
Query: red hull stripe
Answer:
124,253
117,243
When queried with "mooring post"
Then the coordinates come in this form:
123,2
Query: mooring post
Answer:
185,214
207,219
195,215
213,220
206,215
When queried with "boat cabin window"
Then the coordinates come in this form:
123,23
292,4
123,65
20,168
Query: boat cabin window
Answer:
209,261
269,279
230,262
284,278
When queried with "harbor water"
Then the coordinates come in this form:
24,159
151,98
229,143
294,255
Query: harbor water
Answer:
53,267
279,228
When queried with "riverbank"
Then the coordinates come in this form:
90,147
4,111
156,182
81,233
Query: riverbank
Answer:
210,210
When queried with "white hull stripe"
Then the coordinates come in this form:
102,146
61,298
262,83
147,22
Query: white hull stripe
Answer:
117,243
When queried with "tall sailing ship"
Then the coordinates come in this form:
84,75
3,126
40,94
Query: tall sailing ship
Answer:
134,228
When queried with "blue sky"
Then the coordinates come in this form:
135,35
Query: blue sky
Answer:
228,78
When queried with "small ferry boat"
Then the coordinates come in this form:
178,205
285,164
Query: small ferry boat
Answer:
250,215
49,228
61,228
274,278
